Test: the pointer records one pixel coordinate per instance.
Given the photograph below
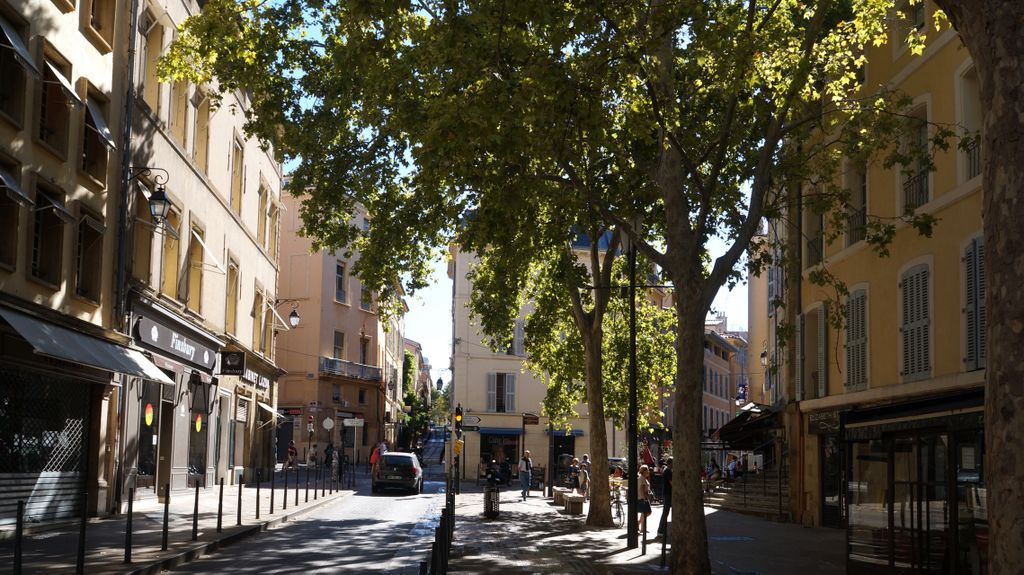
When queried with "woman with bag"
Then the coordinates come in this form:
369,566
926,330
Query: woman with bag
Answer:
643,504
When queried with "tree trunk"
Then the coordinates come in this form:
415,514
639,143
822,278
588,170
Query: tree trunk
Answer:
688,532
992,32
600,514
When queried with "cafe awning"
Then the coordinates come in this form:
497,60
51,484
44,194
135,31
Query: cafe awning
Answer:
62,343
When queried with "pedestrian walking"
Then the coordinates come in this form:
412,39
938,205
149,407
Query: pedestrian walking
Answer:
293,454
374,458
643,503
667,496
525,474
585,476
574,474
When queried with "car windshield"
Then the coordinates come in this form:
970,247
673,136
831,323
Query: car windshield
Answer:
398,461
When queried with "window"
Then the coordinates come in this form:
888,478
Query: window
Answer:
518,339
910,18
179,110
48,235
101,22
814,234
201,135
267,342
365,298
257,319
974,305
915,173
366,223
812,358
364,351
231,303
857,341
96,138
336,393
171,254
970,119
916,323
194,286
56,96
89,257
339,283
339,345
15,63
237,168
261,218
142,236
856,181
501,392
362,397
152,34
272,232
11,199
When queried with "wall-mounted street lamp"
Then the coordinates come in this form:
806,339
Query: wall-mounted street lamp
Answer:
764,358
159,203
293,317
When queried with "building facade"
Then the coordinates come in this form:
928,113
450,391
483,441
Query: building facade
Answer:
496,388
886,414
202,280
344,363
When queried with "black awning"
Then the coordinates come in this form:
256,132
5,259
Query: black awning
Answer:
749,429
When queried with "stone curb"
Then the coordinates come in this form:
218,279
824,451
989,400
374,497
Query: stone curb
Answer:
193,553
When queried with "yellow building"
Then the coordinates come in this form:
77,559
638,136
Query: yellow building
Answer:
886,437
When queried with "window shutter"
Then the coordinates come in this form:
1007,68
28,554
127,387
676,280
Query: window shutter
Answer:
799,367
856,341
518,341
510,392
822,352
925,322
916,322
982,321
849,378
492,392
772,279
905,289
242,410
971,306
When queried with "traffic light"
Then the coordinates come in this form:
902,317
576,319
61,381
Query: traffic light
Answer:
458,420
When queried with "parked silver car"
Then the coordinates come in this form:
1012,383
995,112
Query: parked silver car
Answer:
398,470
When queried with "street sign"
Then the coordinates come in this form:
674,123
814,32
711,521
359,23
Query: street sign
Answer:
352,422
328,424
309,419
470,419
531,419
470,428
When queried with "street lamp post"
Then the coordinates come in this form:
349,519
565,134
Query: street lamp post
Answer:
632,526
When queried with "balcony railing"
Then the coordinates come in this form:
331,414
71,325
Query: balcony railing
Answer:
915,191
856,225
345,368
815,250
972,153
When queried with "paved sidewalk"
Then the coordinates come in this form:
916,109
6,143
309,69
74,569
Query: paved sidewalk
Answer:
536,537
55,550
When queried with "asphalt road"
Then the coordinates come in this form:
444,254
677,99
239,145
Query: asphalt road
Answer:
390,532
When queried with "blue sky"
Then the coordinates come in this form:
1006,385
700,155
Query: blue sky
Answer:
429,320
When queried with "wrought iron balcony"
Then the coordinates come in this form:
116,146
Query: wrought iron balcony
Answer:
915,190
856,225
345,368
815,249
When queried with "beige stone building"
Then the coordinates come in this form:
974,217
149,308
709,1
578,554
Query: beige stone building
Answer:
62,356
341,363
496,388
202,295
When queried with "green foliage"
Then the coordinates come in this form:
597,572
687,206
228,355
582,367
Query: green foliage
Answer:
410,372
440,405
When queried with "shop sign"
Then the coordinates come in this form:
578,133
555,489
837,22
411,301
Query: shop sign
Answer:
232,363
259,380
291,411
170,341
823,422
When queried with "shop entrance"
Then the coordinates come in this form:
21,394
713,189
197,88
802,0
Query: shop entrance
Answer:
831,458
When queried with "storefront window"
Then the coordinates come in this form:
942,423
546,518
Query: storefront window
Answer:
972,503
199,428
868,506
149,430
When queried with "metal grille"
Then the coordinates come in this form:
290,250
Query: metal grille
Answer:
242,410
43,421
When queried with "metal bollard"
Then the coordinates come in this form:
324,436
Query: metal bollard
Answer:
220,506
284,500
128,527
307,483
18,532
195,516
239,508
316,483
257,494
167,515
296,486
273,474
323,480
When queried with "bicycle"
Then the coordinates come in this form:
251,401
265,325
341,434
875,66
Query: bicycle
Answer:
618,511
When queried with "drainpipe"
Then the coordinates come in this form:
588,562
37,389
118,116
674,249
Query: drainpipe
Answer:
120,320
